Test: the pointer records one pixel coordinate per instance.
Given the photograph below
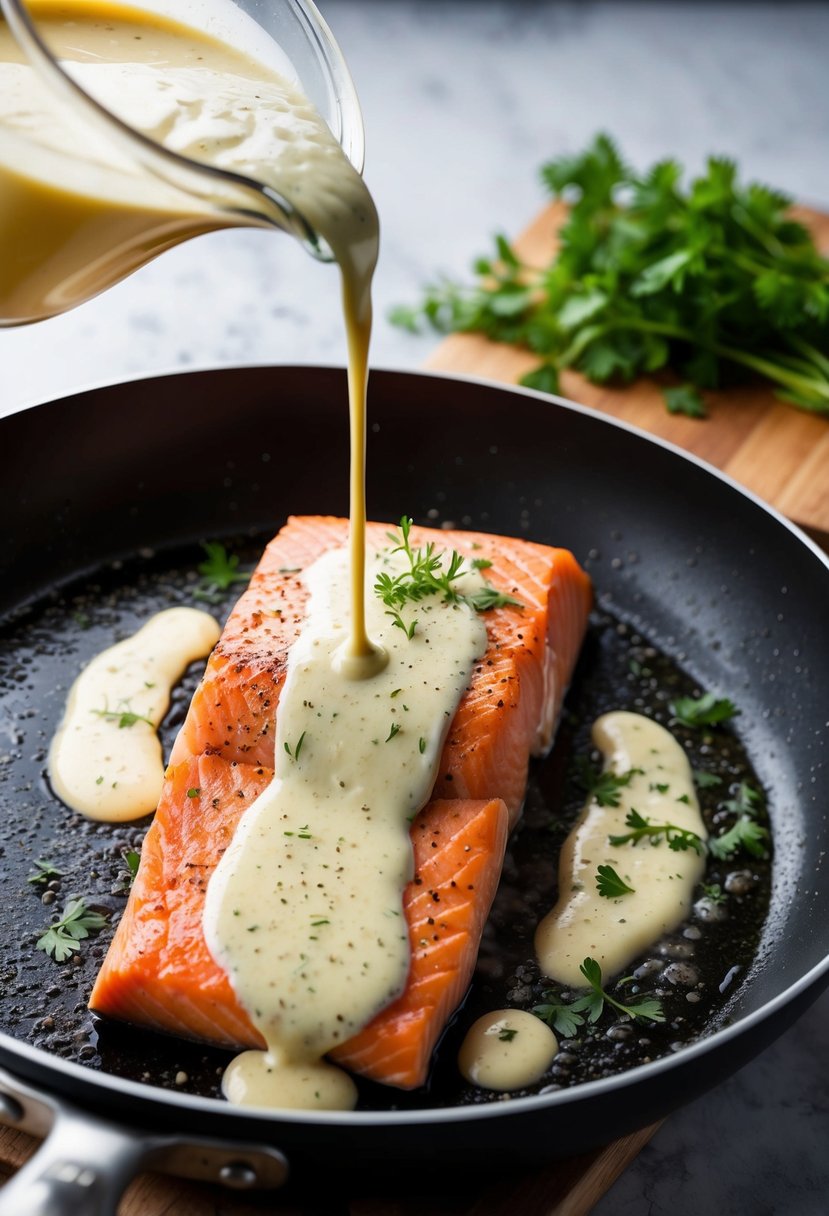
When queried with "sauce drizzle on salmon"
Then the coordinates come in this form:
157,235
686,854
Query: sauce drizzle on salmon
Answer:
159,971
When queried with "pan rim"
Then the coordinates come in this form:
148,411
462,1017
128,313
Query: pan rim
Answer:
120,1088
148,1094
566,403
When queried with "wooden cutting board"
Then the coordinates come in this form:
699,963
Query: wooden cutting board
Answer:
778,452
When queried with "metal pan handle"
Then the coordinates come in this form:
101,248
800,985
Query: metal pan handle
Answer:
82,1167
86,1162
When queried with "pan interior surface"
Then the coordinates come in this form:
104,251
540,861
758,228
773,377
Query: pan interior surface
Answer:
681,560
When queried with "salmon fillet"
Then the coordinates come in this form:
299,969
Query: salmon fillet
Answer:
159,972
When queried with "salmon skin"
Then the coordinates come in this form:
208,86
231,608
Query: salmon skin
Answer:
159,972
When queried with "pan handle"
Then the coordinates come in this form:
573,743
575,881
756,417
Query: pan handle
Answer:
81,1169
86,1162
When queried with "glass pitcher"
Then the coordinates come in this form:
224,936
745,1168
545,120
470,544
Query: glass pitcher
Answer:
65,236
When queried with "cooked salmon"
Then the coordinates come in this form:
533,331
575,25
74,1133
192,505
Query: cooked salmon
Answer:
159,971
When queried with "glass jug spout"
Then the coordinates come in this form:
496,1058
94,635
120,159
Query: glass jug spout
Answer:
126,128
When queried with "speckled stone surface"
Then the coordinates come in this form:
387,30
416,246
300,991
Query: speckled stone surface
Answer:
462,102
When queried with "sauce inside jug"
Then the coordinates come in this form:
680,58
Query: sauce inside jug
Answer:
78,211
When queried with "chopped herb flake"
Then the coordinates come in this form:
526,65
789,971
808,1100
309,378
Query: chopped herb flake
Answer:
610,885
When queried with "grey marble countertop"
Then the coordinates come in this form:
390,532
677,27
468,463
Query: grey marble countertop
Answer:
462,102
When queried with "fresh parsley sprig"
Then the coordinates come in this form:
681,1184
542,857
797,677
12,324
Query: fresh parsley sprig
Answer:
610,884
707,710
43,872
747,801
714,280
603,786
124,716
63,938
745,833
647,1008
563,1019
431,572
567,1019
679,839
219,571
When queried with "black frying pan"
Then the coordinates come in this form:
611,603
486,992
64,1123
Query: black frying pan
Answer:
695,564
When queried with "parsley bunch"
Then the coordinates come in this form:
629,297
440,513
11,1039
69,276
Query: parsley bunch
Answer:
714,280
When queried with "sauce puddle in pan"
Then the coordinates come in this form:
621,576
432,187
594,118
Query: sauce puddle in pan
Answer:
694,970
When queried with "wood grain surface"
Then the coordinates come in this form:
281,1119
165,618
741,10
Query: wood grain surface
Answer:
776,451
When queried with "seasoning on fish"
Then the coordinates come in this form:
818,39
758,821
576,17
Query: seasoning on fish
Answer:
159,971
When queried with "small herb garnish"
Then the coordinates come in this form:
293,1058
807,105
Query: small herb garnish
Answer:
679,839
63,938
747,801
563,1019
490,597
294,754
421,745
706,780
124,717
193,792
219,570
713,891
394,730
648,1008
506,1034
44,870
604,786
126,877
567,1019
707,710
397,619
746,833
610,885
430,572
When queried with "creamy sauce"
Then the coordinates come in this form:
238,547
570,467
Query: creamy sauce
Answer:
507,1050
105,761
615,930
76,214
304,911
63,186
